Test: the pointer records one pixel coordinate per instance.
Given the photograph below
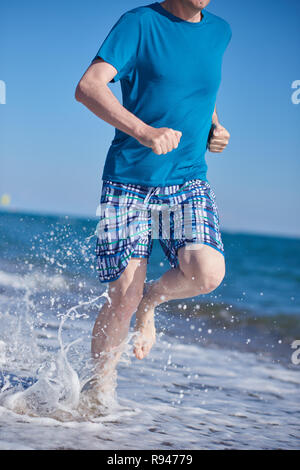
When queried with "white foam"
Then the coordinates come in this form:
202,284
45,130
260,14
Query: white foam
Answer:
32,281
181,396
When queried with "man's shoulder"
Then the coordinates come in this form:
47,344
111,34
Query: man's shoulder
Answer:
138,12
219,21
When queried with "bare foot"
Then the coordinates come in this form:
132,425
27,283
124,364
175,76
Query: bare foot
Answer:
98,394
144,327
96,398
145,336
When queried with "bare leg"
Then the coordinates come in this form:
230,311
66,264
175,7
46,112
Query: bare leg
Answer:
201,270
112,325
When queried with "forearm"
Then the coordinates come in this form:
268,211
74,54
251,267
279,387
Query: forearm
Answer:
102,102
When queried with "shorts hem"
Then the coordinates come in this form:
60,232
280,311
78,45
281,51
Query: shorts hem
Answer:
103,281
202,243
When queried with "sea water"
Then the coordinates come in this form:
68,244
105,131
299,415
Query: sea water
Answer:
220,374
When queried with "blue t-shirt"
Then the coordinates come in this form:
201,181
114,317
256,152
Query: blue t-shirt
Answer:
170,72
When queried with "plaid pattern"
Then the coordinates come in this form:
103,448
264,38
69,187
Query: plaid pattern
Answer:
132,215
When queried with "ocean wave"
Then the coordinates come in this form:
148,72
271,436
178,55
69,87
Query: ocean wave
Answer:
233,318
32,281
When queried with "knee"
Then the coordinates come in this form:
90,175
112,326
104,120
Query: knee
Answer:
205,280
209,281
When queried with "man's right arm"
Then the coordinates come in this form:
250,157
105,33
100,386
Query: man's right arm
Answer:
94,93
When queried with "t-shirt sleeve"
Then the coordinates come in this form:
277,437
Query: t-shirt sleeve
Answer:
228,35
120,46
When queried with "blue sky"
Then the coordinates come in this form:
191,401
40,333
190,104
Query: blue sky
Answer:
53,149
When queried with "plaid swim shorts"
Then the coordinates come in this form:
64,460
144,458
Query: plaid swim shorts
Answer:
132,215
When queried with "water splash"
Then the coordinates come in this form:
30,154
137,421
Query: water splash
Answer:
57,390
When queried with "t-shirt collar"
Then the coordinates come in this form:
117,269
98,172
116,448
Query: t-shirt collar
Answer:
174,18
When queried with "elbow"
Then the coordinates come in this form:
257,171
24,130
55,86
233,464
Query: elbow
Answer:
79,92
86,88
83,89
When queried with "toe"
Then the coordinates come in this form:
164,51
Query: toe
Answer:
137,352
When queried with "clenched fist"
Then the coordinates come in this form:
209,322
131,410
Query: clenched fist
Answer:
161,140
219,139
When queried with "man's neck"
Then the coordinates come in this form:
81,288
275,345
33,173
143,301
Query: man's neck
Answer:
181,10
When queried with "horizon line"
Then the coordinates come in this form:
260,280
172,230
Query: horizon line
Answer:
225,230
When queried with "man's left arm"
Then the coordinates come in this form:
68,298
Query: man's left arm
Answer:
220,136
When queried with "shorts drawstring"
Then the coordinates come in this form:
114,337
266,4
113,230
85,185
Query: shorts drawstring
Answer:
151,191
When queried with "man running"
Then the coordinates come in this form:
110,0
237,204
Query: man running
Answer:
168,57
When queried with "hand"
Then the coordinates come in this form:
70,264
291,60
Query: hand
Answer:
161,140
219,139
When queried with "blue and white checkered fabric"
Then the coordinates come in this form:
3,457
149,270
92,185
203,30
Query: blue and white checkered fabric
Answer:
131,216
